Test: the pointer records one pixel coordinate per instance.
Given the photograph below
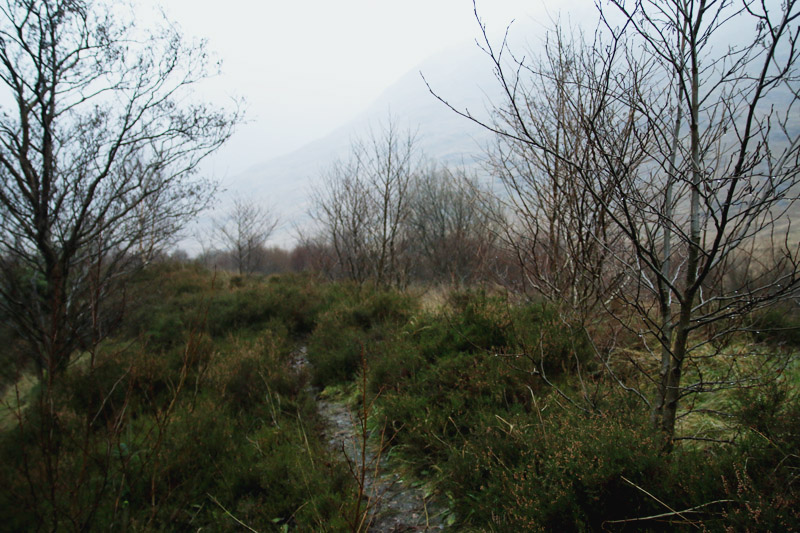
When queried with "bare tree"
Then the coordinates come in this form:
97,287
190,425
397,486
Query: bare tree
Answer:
723,171
244,233
550,223
451,227
363,206
690,148
100,139
312,253
344,211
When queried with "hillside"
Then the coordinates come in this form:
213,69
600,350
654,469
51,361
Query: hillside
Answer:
461,74
289,404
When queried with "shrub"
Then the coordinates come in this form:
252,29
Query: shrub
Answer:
571,479
533,335
166,397
554,345
167,307
778,325
762,470
254,374
368,323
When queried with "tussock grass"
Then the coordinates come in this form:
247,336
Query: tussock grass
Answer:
202,374
15,399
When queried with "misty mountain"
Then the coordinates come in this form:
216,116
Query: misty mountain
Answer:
461,75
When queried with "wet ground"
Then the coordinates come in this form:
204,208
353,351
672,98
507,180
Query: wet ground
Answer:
394,502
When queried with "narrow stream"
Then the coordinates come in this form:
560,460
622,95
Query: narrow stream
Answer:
395,504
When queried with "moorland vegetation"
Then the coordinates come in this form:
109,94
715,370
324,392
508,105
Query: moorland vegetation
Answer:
607,343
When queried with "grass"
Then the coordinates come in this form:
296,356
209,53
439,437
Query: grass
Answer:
202,374
15,399
710,417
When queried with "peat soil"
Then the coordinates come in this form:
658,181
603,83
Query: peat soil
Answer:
394,502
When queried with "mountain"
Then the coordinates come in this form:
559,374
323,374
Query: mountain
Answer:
462,75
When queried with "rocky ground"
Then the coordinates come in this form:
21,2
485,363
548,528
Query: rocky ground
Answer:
393,502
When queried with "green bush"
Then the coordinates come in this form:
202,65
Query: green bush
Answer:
478,322
334,352
392,361
365,321
168,307
762,470
200,375
571,478
253,375
778,325
533,335
204,374
465,413
555,345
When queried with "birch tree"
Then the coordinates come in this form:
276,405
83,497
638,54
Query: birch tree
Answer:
363,205
244,232
100,139
451,226
687,111
550,222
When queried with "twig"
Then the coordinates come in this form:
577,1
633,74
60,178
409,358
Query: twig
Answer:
664,515
673,511
107,396
538,411
213,499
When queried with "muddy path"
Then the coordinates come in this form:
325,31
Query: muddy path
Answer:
394,502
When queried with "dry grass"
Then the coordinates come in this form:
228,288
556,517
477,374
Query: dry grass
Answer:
15,398
433,299
707,415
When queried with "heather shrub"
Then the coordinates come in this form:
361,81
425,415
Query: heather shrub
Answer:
198,411
778,325
178,417
366,320
552,344
532,336
171,306
762,469
475,419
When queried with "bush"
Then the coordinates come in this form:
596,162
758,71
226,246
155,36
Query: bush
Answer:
167,396
571,478
554,345
168,307
762,470
778,325
533,335
252,375
459,390
466,410
363,321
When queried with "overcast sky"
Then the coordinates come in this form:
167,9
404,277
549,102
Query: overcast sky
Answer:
307,66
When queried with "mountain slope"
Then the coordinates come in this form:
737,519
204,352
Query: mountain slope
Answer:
460,74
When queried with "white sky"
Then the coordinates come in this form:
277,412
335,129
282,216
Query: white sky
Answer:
307,66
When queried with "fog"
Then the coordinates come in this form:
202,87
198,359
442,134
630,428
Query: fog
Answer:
305,68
